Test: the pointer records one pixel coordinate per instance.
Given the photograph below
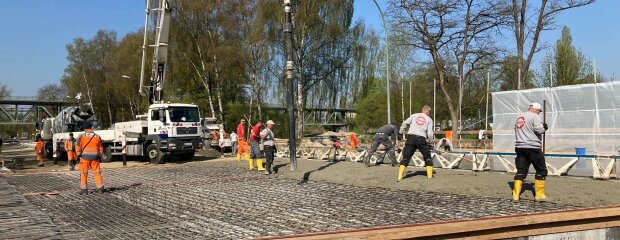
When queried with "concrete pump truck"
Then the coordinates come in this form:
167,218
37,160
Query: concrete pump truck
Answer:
167,129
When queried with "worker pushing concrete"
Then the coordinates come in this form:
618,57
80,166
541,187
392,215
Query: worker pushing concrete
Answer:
242,148
255,152
419,137
71,154
382,136
528,133
89,150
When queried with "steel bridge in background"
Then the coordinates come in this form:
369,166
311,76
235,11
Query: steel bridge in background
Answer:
332,117
28,110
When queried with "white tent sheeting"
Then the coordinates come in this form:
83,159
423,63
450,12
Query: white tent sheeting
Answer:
586,115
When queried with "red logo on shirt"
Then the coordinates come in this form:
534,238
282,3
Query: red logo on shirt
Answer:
520,122
420,120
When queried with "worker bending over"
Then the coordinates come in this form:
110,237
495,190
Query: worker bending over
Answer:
419,137
382,136
89,151
528,133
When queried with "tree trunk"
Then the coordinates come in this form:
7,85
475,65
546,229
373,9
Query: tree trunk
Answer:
299,118
218,90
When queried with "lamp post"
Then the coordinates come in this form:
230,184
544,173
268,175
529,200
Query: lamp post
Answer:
387,61
290,108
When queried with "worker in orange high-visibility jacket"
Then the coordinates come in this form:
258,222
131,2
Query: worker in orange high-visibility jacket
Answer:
243,148
39,149
71,154
89,149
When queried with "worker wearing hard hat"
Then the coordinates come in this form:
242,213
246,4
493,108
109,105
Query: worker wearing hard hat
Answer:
528,133
269,145
255,152
71,154
243,144
89,150
419,137
39,151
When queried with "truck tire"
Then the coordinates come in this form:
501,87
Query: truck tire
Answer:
154,155
106,155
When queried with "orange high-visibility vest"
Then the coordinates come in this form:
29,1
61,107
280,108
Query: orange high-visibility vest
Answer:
70,145
89,145
38,149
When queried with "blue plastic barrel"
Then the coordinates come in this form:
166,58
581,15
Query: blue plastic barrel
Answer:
580,151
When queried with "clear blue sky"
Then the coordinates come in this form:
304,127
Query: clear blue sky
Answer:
35,32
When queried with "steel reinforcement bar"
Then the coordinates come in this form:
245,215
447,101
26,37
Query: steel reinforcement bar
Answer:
497,227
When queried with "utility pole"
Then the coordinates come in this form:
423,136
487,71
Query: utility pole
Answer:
290,108
387,61
410,100
402,99
434,99
486,114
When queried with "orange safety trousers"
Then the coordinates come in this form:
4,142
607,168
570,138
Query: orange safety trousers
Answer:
70,148
94,166
38,151
243,147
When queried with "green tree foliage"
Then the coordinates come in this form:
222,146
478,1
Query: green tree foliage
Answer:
569,65
509,76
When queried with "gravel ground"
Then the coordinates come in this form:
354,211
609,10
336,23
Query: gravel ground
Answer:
575,191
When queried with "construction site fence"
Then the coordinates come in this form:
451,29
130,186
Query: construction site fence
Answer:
584,117
594,166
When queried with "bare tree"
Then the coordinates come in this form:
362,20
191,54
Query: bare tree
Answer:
456,33
529,21
51,92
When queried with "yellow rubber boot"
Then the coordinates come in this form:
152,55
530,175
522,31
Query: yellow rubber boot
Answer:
516,192
247,156
429,171
539,187
259,164
251,164
238,157
401,170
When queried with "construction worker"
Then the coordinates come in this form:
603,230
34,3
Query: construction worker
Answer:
71,154
243,147
419,137
528,133
39,150
233,142
89,149
269,144
382,136
255,152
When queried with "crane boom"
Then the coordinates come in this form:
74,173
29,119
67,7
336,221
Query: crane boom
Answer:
158,71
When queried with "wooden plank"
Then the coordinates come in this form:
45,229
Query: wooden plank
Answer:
492,227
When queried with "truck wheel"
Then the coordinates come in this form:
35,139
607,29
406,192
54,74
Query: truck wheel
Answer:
106,155
154,155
